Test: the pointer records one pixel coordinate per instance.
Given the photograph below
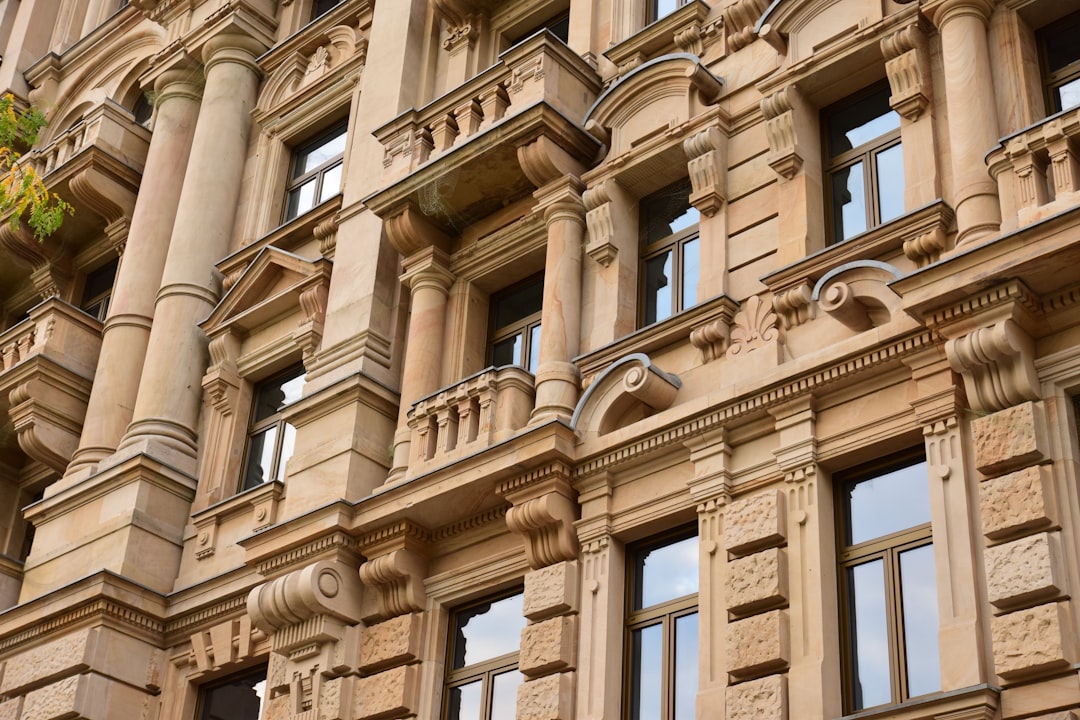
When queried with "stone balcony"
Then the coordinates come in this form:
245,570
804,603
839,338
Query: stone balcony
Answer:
47,365
468,417
456,158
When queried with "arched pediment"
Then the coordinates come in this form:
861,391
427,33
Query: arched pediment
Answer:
338,46
630,389
811,25
858,295
663,93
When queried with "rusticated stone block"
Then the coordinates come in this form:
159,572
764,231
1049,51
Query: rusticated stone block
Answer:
1024,571
1029,641
1009,439
550,591
392,642
761,699
1017,503
11,709
88,695
757,582
547,646
54,701
758,645
755,523
63,656
391,693
547,698
1067,715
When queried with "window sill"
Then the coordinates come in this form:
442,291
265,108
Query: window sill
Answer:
246,513
979,698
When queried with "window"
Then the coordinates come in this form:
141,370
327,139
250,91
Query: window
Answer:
321,7
316,173
888,590
864,163
515,324
558,25
271,440
1060,55
97,291
671,253
237,698
657,9
662,625
482,679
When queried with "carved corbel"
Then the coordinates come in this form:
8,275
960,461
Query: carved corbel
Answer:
794,305
50,264
926,247
857,294
774,37
410,231
707,167
908,67
714,337
606,209
102,195
543,510
785,154
48,422
224,644
542,161
308,336
326,235
395,570
739,20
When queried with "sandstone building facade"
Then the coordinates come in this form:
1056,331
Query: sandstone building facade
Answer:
549,359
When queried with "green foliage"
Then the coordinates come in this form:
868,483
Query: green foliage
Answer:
22,191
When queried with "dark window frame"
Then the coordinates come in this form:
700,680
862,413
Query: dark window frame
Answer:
523,326
275,421
1053,80
298,179
97,304
260,671
485,670
652,10
654,247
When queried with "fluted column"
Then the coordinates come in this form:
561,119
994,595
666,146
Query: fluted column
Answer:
560,319
167,407
127,327
428,277
972,112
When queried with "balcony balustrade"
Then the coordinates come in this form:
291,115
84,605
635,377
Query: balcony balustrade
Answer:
107,129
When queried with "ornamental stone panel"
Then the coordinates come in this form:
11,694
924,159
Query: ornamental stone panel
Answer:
552,590
1024,571
547,646
757,582
386,694
391,642
755,523
1016,503
53,659
547,698
1008,439
761,699
1028,641
758,645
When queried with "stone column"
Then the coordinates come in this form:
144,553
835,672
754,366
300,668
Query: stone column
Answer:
127,328
972,111
560,318
428,277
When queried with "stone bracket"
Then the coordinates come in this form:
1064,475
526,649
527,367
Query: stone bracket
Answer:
544,509
908,67
395,569
785,154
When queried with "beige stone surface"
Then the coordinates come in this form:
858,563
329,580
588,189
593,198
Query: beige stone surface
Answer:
1010,438
548,646
1016,503
757,581
755,522
1024,571
54,701
758,645
390,693
11,709
552,590
1028,641
53,659
762,699
546,698
391,642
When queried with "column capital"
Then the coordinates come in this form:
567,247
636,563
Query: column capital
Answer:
561,199
234,47
948,10
428,268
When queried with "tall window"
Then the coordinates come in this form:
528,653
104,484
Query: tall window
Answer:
864,163
559,25
271,439
482,677
515,324
890,619
671,253
316,172
1061,63
657,9
239,697
321,7
662,625
97,291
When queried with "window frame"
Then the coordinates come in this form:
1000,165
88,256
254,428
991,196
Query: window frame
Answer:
666,612
867,154
262,670
274,420
486,670
888,548
524,326
1052,81
652,11
296,181
675,242
97,305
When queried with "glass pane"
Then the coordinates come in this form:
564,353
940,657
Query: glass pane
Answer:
534,348
328,149
858,124
888,503
487,631
260,456
667,572
849,202
869,635
301,199
239,699
658,288
890,173
274,395
660,8
1060,43
507,352
668,211
504,695
646,672
1068,95
331,183
560,28
464,702
918,590
518,303
288,444
686,666
99,282
691,271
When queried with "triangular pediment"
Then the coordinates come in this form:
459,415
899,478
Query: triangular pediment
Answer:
271,286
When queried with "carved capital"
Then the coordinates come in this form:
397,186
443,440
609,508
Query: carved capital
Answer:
543,510
707,168
428,270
